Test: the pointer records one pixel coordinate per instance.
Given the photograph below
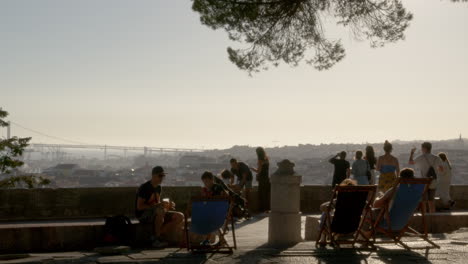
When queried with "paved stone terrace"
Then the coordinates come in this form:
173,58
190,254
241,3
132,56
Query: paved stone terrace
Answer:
252,248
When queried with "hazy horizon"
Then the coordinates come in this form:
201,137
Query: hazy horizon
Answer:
149,74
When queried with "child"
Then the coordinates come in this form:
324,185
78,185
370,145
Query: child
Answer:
227,177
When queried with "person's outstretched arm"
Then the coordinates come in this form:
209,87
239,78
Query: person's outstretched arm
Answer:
333,158
381,202
259,167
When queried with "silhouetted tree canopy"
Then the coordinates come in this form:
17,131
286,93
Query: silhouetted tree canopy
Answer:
10,151
286,30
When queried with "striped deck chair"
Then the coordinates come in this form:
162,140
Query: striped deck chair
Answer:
210,216
348,207
394,218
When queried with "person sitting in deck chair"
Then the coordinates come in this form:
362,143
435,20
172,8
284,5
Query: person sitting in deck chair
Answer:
388,196
398,207
379,203
324,206
211,190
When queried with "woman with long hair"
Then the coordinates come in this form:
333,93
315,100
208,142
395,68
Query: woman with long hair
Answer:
360,168
370,157
263,178
444,181
389,168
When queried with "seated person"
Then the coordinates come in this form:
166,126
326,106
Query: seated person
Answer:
150,208
406,173
387,197
346,182
324,206
211,187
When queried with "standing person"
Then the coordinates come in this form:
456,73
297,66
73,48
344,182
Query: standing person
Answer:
430,166
443,183
263,178
389,168
151,209
370,157
360,168
244,178
342,168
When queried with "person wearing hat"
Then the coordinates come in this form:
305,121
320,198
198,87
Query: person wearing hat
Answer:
151,209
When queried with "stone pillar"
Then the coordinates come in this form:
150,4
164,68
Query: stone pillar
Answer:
285,218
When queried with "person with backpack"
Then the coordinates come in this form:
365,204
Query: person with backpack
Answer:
150,208
430,166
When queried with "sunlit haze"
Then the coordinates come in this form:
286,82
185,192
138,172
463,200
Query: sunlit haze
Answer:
148,73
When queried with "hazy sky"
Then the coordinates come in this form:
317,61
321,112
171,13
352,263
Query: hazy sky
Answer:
147,73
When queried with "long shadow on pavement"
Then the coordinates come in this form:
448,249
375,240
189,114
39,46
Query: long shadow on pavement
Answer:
393,256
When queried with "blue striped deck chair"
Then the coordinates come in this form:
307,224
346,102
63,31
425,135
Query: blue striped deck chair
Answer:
346,211
210,216
394,218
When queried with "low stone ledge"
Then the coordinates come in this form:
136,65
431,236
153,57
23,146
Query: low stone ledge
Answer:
72,203
41,236
441,222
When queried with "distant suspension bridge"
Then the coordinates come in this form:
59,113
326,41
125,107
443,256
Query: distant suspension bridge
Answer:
42,147
57,149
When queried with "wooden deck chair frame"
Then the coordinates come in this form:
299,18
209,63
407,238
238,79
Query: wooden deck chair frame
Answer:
397,235
222,232
358,235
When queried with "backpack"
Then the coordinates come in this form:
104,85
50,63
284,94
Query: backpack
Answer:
431,173
117,229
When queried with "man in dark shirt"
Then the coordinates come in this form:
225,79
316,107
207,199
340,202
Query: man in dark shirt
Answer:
243,173
150,208
244,178
342,168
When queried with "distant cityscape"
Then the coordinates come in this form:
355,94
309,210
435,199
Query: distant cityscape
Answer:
87,168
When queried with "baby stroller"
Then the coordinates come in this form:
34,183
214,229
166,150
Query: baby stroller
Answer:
238,208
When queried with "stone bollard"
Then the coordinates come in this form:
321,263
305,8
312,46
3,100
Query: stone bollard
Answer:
284,226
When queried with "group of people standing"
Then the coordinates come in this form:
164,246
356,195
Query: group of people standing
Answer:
366,167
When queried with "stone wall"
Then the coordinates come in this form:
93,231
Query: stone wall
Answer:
72,203
42,204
